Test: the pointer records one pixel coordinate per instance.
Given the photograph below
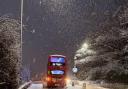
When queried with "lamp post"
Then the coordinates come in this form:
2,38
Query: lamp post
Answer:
21,22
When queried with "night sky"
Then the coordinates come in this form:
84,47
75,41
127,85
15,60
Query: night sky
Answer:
55,26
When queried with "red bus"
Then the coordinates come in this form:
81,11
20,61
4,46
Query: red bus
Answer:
56,71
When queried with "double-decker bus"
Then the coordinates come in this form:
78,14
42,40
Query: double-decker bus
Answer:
56,71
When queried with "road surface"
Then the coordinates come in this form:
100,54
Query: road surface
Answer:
71,87
79,86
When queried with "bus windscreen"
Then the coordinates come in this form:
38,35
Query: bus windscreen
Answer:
57,59
57,72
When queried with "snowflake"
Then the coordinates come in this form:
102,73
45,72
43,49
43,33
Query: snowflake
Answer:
33,31
40,2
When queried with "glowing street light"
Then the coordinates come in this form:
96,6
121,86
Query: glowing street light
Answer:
85,46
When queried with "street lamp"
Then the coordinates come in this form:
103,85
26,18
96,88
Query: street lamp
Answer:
85,46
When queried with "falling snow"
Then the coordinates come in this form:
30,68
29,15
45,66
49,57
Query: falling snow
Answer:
61,26
33,31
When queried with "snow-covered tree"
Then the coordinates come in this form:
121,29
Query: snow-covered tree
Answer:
10,57
106,57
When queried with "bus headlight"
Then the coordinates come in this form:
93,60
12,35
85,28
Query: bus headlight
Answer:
67,80
48,79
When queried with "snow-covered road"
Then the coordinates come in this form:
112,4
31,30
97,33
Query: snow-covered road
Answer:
36,86
79,86
69,87
40,87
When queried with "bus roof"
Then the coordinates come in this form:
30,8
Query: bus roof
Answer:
56,55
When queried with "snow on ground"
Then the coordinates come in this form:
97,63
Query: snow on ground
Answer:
36,86
78,85
74,87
